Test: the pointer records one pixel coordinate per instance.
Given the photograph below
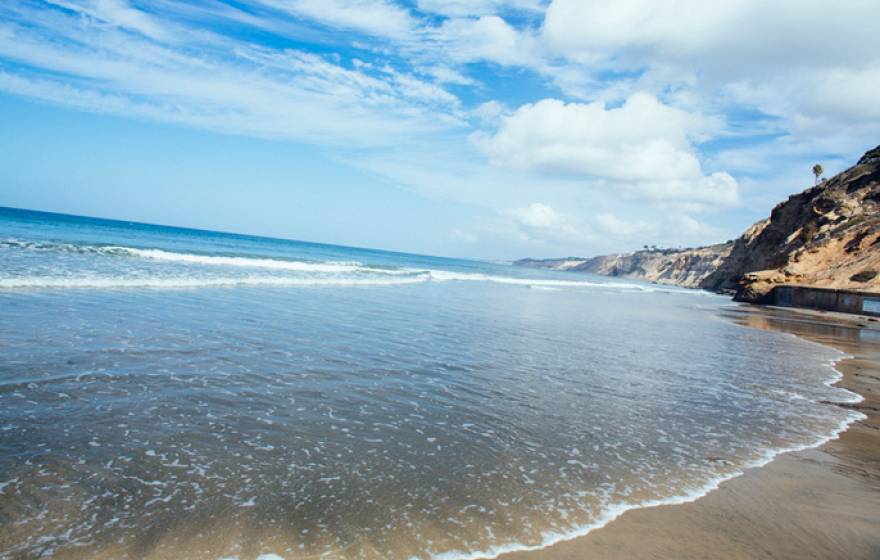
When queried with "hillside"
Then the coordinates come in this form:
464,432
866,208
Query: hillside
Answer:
826,236
681,267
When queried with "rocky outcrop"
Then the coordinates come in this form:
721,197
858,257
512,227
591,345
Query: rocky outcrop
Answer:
826,236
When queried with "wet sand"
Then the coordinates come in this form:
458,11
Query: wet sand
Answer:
818,503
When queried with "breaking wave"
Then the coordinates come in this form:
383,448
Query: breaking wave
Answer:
200,270
175,283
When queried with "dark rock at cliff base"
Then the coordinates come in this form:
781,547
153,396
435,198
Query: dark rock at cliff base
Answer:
863,276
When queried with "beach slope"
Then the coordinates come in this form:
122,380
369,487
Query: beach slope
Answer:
818,503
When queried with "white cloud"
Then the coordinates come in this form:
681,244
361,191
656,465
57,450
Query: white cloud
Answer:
489,113
217,83
753,32
117,13
586,232
536,215
783,54
673,229
375,17
643,144
488,38
466,31
460,8
584,28
610,224
447,75
828,95
539,222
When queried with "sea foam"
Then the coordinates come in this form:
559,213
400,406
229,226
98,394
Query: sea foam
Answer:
301,272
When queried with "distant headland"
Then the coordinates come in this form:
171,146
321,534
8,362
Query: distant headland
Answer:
826,237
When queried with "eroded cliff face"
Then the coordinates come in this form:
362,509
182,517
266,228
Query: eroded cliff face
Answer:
681,267
826,236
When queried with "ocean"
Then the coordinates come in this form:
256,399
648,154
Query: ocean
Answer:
176,393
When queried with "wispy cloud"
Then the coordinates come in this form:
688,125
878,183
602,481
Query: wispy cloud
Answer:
647,117
381,18
118,59
116,13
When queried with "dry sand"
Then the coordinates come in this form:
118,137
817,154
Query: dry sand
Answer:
818,503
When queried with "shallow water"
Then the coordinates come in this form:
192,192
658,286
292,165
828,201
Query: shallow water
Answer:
185,394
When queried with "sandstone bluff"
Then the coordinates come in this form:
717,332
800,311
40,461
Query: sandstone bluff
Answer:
827,236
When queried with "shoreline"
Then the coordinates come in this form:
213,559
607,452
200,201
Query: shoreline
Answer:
707,521
842,467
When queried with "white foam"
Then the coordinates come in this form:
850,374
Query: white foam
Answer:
355,278
447,276
349,273
410,277
842,395
210,260
356,267
247,262
110,282
848,397
614,511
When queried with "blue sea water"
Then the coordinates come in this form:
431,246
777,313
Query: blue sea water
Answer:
174,393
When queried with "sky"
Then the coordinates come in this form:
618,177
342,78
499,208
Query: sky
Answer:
481,128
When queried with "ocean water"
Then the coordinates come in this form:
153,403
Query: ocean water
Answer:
172,393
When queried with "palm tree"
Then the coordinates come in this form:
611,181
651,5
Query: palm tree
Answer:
817,171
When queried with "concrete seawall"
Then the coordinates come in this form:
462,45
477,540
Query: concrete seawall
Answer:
843,301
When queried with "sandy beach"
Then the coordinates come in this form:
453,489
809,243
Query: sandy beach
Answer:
818,503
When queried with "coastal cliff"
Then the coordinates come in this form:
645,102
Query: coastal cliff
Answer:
827,236
681,267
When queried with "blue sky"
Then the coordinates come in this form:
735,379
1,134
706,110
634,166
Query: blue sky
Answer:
474,128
